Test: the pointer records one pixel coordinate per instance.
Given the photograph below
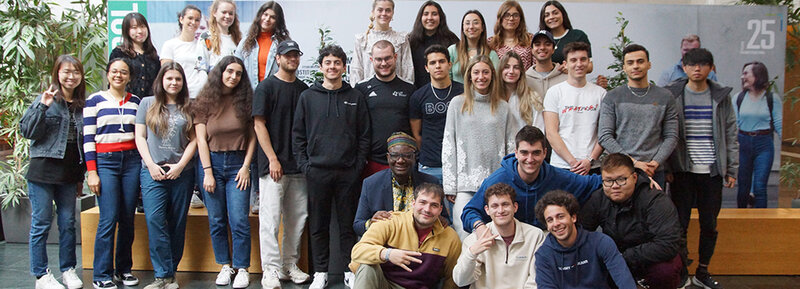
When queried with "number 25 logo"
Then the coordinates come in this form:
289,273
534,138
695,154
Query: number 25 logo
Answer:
763,38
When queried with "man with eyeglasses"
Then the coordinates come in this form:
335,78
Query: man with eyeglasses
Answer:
387,99
641,221
390,190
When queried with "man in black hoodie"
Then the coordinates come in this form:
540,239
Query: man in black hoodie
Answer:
331,140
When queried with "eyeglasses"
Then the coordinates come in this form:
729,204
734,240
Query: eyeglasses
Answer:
511,16
69,73
619,181
405,156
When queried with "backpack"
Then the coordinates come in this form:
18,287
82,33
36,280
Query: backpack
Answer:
770,105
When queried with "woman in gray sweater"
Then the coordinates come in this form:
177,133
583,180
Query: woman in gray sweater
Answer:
478,133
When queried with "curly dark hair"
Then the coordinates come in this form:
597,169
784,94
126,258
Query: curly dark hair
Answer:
558,198
211,94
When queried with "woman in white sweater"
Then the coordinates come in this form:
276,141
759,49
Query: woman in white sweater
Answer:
478,133
361,66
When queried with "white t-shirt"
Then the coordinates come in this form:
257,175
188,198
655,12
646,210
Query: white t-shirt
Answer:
578,112
226,47
193,57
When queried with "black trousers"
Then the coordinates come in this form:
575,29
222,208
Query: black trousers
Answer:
706,192
327,188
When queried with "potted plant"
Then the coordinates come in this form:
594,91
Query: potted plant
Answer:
32,38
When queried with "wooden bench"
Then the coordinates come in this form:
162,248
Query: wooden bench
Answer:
752,242
197,253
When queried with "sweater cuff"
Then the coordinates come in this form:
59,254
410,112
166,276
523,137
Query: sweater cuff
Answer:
91,165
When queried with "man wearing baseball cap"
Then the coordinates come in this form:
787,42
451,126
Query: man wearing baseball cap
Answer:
544,74
281,183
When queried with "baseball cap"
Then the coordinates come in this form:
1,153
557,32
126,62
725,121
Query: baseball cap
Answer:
288,45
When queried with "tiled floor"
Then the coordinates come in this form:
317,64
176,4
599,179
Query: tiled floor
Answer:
14,274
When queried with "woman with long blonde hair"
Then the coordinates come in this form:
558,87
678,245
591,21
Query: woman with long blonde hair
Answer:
478,133
223,30
523,102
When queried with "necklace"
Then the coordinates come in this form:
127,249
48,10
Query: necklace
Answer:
643,95
448,92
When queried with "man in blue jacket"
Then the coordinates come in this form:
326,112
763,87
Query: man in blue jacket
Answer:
531,177
572,257
391,190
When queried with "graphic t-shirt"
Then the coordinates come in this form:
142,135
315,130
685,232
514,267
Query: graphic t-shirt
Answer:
430,105
167,149
388,110
276,100
578,112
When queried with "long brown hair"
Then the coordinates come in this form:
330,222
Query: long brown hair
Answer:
157,118
280,32
462,48
494,91
528,98
236,34
442,33
79,93
211,95
127,42
521,33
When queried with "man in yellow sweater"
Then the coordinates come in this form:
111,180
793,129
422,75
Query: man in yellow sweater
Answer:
410,250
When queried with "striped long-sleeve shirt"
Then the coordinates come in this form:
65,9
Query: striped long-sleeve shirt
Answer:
108,125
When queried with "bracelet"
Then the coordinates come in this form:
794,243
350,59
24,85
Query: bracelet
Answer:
478,224
208,167
386,255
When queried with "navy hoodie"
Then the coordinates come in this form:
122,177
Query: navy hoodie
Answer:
586,264
550,178
331,128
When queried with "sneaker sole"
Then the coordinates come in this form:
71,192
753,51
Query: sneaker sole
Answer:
697,283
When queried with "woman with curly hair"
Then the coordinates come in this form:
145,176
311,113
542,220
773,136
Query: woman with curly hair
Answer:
257,49
226,142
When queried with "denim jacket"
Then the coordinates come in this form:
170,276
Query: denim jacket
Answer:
250,60
47,128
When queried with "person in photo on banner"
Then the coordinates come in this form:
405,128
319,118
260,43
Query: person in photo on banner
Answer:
390,190
621,129
188,51
226,143
331,141
503,255
473,42
361,67
430,27
387,98
523,102
113,166
706,157
223,31
165,139
571,112
54,125
138,48
759,115
284,197
478,133
258,48
511,33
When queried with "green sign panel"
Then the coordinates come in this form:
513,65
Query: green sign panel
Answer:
116,12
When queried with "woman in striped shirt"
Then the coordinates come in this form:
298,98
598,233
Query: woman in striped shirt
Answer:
113,164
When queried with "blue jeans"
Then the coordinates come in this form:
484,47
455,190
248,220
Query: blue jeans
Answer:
228,205
165,206
755,163
119,192
42,197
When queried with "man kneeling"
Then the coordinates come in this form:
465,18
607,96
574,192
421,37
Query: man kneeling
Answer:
642,221
411,250
503,255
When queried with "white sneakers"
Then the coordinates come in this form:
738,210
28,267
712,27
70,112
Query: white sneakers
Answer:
270,280
224,276
320,280
349,279
196,201
163,283
47,281
71,279
292,272
242,279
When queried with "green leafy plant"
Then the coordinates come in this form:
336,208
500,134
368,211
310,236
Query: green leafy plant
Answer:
32,37
619,43
325,38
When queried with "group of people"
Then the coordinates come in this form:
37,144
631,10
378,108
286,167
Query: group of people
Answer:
471,148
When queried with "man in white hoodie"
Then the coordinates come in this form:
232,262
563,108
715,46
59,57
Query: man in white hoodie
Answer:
503,255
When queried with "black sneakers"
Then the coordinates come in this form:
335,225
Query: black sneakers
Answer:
704,280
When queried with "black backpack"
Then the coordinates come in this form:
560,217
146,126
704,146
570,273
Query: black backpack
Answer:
740,98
